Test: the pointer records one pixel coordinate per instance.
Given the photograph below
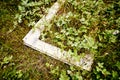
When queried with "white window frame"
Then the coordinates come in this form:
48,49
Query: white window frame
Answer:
32,40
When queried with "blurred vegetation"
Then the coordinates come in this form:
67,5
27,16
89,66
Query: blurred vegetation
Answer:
89,26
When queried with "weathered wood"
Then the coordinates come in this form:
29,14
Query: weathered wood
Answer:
32,40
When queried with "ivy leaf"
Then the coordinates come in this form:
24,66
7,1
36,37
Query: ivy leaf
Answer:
24,2
105,72
100,65
19,74
78,77
6,60
118,65
82,29
114,74
82,19
64,76
88,43
98,69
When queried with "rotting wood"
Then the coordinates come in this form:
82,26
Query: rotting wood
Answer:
32,40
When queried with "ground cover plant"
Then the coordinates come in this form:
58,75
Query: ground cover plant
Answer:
80,27
87,26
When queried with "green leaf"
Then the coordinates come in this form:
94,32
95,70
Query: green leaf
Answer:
19,74
114,74
105,72
64,76
78,76
22,9
98,69
100,65
118,65
82,29
88,43
6,60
